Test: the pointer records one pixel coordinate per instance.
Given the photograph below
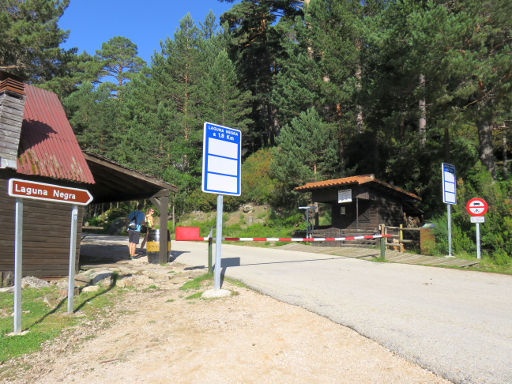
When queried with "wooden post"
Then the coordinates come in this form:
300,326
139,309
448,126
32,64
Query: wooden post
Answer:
164,231
383,248
163,206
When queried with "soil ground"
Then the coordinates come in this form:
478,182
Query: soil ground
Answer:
155,334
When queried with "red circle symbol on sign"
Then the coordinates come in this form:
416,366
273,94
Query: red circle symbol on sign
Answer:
477,207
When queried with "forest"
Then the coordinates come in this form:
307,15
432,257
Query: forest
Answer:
320,89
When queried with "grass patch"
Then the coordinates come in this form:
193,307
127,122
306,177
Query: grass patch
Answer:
196,283
235,282
44,316
196,295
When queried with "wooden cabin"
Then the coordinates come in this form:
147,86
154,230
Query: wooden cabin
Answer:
37,143
362,203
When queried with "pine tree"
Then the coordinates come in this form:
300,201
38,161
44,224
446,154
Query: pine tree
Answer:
119,60
30,38
306,151
254,48
224,103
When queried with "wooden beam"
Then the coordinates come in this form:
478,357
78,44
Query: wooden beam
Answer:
164,218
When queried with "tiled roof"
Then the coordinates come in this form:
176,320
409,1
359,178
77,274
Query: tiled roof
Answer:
361,179
48,146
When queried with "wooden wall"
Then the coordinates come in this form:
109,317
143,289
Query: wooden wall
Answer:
374,208
46,234
11,118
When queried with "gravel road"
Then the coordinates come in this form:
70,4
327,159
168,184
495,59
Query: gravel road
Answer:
458,324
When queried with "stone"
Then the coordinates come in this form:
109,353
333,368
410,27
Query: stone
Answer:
91,288
83,277
107,282
213,294
247,208
98,276
33,282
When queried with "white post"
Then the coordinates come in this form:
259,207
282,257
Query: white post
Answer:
448,207
478,256
18,246
72,257
218,243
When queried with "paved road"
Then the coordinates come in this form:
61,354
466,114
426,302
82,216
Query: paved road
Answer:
457,324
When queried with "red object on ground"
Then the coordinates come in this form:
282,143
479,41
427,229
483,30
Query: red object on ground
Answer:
187,234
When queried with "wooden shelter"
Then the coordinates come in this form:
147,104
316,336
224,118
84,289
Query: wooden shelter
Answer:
362,203
37,143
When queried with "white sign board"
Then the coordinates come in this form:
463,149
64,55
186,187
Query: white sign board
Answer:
449,184
344,196
222,157
477,219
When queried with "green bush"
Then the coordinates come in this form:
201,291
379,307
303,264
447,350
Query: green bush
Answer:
496,232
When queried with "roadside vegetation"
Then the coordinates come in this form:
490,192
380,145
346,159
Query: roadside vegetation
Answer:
44,316
390,88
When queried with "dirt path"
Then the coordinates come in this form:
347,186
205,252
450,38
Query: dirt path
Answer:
159,336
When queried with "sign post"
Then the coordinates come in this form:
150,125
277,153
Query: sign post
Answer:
18,261
477,208
222,174
25,189
307,218
449,197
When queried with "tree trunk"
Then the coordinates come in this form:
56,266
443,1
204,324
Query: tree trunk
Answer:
505,160
359,118
422,124
485,126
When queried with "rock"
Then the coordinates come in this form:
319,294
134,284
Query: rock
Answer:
83,277
91,288
107,282
33,282
214,294
7,289
101,275
247,208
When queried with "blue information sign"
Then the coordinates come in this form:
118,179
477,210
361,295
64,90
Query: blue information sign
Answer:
449,184
222,155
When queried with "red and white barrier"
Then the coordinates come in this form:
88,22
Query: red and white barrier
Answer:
296,239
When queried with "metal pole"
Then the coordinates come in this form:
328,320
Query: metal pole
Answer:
478,256
448,207
72,258
218,242
18,242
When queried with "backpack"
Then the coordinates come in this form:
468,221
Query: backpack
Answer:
133,223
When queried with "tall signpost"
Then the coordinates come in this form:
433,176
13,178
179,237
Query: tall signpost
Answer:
477,208
222,174
449,196
25,189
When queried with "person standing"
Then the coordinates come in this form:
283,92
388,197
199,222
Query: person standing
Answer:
148,226
135,219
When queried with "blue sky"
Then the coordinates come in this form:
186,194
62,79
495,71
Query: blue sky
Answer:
146,23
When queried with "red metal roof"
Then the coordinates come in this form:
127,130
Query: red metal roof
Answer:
362,179
48,146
